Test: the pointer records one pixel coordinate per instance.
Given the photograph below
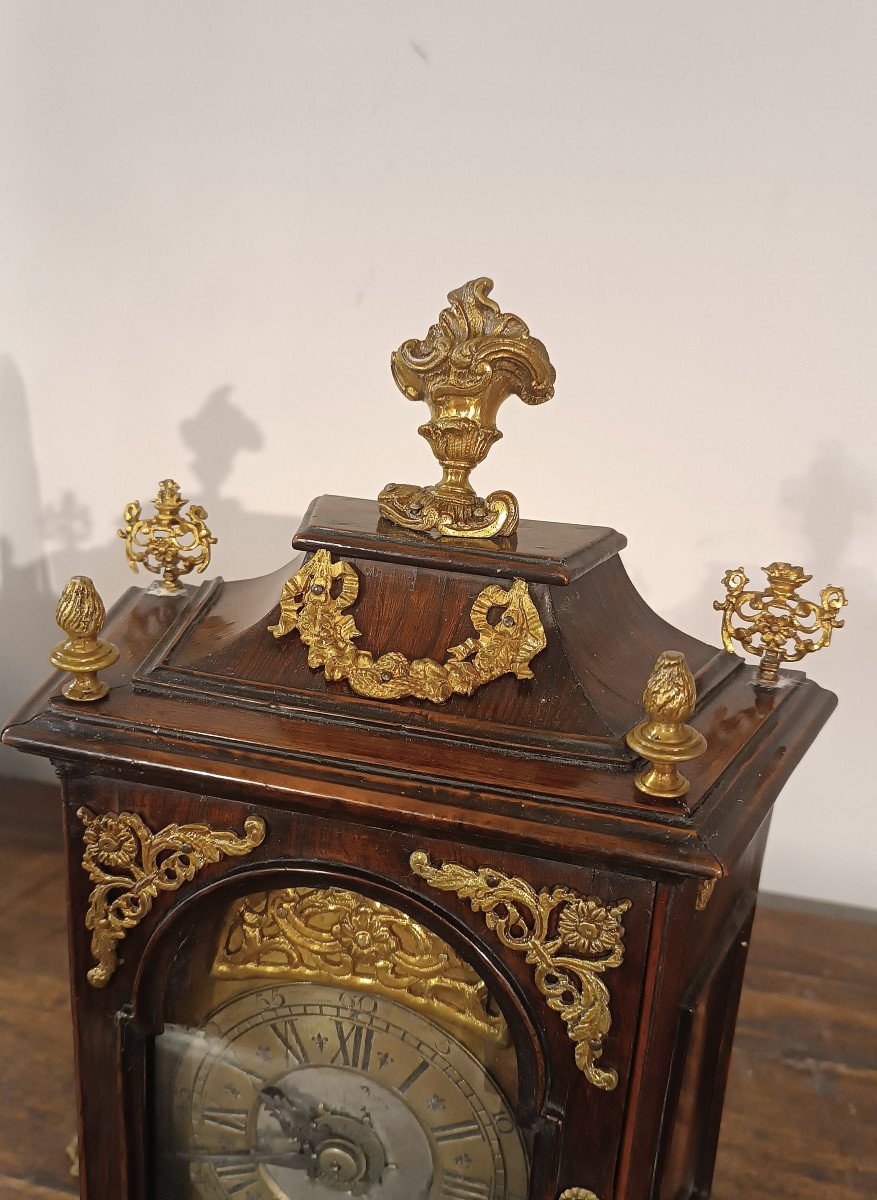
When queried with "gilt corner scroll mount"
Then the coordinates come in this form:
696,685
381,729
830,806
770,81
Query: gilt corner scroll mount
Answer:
569,939
129,865
313,603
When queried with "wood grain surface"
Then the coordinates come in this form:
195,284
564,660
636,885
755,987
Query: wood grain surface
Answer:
802,1100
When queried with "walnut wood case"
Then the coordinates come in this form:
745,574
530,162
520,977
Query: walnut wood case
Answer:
210,719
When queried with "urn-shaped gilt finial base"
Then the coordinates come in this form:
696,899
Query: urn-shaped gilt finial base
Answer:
471,360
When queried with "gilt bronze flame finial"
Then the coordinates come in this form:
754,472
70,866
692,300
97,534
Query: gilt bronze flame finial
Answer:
172,543
80,613
469,362
664,738
778,625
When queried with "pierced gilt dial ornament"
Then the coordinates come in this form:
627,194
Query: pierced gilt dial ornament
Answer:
387,874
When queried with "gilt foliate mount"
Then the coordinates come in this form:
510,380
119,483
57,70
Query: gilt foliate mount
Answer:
130,865
569,940
470,361
313,604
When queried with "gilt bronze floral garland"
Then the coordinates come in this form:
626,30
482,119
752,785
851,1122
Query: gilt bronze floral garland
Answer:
308,606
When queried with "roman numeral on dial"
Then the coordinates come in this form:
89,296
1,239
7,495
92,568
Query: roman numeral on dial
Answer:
228,1118
460,1187
288,1036
458,1132
236,1177
354,1046
408,1082
231,1057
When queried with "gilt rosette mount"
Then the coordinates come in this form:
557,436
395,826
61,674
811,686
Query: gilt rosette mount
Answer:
777,624
313,604
80,613
470,361
170,544
663,737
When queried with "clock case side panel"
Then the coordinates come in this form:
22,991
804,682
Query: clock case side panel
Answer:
694,978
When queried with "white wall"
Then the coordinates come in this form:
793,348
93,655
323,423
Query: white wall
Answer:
218,219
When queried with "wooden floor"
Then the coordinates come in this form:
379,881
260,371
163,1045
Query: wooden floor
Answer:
801,1112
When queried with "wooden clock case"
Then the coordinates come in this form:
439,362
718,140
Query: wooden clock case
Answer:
209,719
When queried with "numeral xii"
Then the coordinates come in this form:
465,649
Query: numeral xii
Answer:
354,1046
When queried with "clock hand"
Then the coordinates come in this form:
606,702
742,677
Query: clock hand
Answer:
279,1158
290,1118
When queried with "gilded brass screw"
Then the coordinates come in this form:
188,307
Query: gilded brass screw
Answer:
80,613
664,738
778,625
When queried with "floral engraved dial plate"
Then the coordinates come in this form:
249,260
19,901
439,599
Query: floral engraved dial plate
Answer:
569,939
329,935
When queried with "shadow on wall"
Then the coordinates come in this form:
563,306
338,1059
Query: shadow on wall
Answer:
41,546
829,504
26,600
832,503
257,542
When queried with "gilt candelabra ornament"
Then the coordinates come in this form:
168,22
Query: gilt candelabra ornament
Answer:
80,613
172,543
469,362
664,738
777,624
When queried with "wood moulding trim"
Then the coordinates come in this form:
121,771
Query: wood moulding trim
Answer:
354,527
630,841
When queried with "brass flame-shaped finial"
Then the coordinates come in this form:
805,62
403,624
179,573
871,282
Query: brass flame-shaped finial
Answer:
778,625
80,613
469,362
172,543
664,738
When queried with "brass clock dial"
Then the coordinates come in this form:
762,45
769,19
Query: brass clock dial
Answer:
294,1091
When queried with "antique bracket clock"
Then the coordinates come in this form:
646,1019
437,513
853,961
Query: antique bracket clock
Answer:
386,877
